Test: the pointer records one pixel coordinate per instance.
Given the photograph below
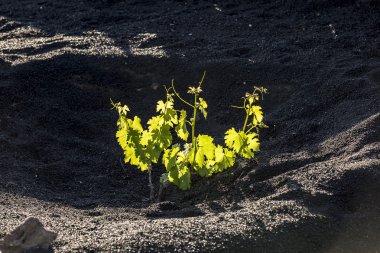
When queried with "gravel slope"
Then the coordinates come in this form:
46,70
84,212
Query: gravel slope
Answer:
314,186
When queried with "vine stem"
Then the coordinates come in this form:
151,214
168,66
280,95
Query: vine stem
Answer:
179,96
193,140
203,77
193,121
249,130
246,121
160,190
151,186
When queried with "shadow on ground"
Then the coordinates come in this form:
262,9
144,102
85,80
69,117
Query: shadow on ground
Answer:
313,185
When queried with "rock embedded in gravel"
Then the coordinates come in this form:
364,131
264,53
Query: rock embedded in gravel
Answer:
29,236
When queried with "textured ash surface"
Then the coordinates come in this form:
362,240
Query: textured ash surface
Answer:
315,185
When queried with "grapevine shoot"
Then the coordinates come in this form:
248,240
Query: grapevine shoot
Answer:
197,153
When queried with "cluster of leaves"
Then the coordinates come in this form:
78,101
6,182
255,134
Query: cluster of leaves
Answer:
201,155
144,147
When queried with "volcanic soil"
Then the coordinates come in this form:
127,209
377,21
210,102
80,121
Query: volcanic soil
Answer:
313,187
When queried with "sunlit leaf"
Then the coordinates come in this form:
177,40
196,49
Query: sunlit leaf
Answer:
203,107
224,158
162,137
235,140
180,176
170,117
121,136
257,114
196,158
178,173
136,124
163,106
146,137
155,122
206,145
170,157
181,128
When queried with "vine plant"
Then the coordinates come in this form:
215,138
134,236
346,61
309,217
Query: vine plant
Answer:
144,147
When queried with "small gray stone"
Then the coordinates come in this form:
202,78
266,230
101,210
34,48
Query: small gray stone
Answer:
29,235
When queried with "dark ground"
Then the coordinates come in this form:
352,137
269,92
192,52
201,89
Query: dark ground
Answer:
315,185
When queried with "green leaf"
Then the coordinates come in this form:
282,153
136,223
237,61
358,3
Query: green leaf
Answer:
143,166
131,156
257,114
253,142
153,152
180,176
170,157
132,135
170,117
202,103
146,138
203,107
184,178
181,128
155,122
206,146
164,178
252,97
162,137
168,114
121,136
163,106
178,173
121,109
224,158
208,169
241,143
204,171
234,140
136,124
200,156
252,145
196,158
